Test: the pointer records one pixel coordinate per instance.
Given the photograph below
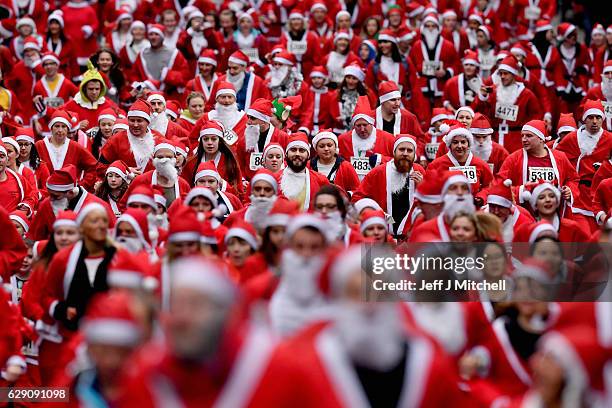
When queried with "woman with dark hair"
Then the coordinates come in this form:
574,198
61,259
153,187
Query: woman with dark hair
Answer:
102,132
57,42
367,51
340,56
330,164
330,202
108,63
28,157
114,185
370,29
195,110
348,92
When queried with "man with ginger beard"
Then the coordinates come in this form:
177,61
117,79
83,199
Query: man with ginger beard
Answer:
399,177
298,183
484,147
160,120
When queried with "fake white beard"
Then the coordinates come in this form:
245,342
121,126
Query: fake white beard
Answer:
251,135
474,83
508,94
161,220
227,115
508,229
142,148
606,88
278,75
364,145
453,204
259,209
299,275
443,321
430,37
335,63
236,80
483,150
131,244
336,225
159,122
59,205
166,167
293,183
472,37
397,180
371,333
586,141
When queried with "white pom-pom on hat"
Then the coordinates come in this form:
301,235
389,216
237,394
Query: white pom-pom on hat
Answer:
153,234
507,183
149,284
444,128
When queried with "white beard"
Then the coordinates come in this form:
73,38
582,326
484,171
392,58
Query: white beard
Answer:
236,80
161,220
259,210
472,37
227,115
293,183
587,142
443,321
606,88
337,226
335,64
454,204
278,75
159,122
251,136
474,84
363,145
483,150
59,205
431,37
131,244
142,148
508,229
371,333
508,94
299,275
397,180
166,167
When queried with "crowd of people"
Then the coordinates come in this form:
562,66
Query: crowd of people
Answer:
187,189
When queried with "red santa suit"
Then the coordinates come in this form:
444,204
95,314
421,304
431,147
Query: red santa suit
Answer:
458,37
12,248
198,84
316,101
191,43
173,72
64,90
312,183
306,49
528,12
69,153
458,93
571,75
378,146
253,88
405,123
403,73
342,174
435,229
21,80
480,177
15,190
495,158
34,9
149,178
9,102
595,93
81,22
602,200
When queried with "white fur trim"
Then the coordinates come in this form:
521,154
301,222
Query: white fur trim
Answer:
499,200
541,228
267,178
508,68
354,71
116,170
211,173
160,146
386,37
404,139
538,133
298,143
592,111
211,131
256,114
59,187
324,135
456,178
372,221
201,192
141,198
184,236
88,209
59,120
64,223
243,234
388,96
111,331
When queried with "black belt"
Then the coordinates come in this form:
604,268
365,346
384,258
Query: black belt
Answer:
586,183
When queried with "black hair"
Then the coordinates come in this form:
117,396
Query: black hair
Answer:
104,190
231,164
361,89
395,53
332,190
34,160
268,249
116,73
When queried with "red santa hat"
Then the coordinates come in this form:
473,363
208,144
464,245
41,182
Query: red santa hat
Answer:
607,67
371,44
297,12
299,140
173,109
239,57
208,234
531,231
50,56
519,49
363,111
225,88
537,127
158,29
107,114
318,72
12,142
281,212
564,30
24,135
88,209
142,194
201,192
243,230
471,57
543,25
65,218
414,9
110,320
208,56
454,177
64,179
125,12
372,217
3,149
159,196
534,269
598,29
267,176
465,109
324,134
355,70
30,43
477,16
566,123
430,189
181,148
388,90
140,109
481,125
57,15
308,220
21,218
137,218
317,5
487,30
501,194
261,109
439,114
531,191
205,276
164,145
156,96
510,64
120,168
404,138
430,17
60,116
137,24
207,169
184,225
387,35
336,273
273,146
342,35
364,203
592,107
129,271
458,131
285,58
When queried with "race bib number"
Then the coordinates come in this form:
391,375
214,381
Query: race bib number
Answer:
430,67
532,13
252,53
431,149
506,111
468,171
297,47
54,102
608,109
256,161
230,137
541,173
361,165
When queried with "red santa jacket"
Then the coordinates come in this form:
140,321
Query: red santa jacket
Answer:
602,200
530,11
64,49
306,49
480,175
63,91
21,80
457,94
198,84
74,154
604,172
383,145
189,48
458,38
595,93
35,9
344,175
444,54
15,190
317,102
543,66
314,182
246,158
405,123
78,16
432,230
252,89
12,248
149,178
173,77
572,74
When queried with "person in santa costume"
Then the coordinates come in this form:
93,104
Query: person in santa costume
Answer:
59,151
16,192
160,121
427,204
327,162
198,36
24,75
400,176
284,80
459,142
602,92
484,147
347,96
81,22
57,42
374,226
462,89
537,162
248,37
457,197
297,182
206,75
24,27
365,145
509,104
133,146
10,108
240,242
12,148
207,178
453,32
263,194
586,149
316,99
300,41
132,48
602,201
117,33
501,204
391,117
11,360
258,134
114,185
338,58
249,87
433,138
160,63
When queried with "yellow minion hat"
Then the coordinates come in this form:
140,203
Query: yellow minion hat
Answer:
91,74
